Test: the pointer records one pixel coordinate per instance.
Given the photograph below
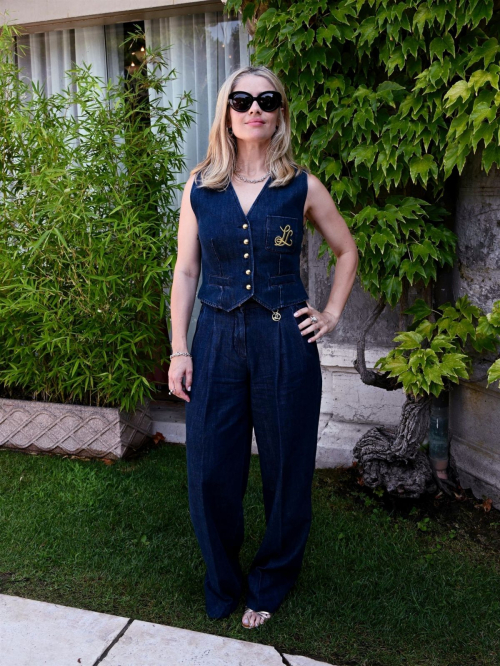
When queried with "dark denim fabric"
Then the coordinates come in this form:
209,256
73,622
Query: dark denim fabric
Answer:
254,255
251,371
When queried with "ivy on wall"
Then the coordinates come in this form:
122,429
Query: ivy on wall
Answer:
387,99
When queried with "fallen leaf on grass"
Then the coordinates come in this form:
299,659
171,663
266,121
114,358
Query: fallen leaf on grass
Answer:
107,461
158,437
486,505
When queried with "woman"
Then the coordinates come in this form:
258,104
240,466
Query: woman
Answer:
254,360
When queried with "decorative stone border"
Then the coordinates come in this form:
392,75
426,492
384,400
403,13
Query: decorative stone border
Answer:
96,432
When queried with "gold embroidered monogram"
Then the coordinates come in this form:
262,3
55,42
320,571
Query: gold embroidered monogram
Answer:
285,238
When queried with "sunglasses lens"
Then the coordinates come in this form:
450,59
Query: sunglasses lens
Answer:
269,101
240,102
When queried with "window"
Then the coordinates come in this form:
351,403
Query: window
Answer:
205,48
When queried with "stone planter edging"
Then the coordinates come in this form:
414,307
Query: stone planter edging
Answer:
96,432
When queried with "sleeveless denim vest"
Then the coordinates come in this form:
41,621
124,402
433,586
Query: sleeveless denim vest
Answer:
255,255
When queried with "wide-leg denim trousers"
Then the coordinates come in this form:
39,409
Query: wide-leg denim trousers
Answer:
250,371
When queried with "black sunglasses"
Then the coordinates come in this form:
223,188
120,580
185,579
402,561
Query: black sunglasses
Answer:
240,101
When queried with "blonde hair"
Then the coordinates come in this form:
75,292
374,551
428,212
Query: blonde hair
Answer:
218,166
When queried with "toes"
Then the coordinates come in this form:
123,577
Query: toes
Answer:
248,619
252,619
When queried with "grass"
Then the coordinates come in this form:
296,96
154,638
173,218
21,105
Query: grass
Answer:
385,581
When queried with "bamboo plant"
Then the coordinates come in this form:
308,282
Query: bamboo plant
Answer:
88,228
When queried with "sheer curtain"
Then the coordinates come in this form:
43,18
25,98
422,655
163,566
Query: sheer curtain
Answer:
47,55
204,49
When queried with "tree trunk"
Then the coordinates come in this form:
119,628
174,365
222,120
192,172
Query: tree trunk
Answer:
372,377
391,456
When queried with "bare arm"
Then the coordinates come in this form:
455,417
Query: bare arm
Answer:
186,275
321,211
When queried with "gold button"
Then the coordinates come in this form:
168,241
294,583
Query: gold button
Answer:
248,271
246,241
245,226
249,286
246,255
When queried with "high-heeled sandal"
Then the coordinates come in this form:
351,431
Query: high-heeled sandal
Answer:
263,614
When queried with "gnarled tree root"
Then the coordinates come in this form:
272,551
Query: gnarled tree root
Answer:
391,457
404,479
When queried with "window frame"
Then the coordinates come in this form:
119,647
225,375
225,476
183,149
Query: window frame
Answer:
128,16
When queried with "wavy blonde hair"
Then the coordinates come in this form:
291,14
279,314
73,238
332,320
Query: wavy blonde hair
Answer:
217,169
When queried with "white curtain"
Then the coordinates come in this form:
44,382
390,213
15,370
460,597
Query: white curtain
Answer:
204,49
45,56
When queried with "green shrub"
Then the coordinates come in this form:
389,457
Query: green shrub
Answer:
431,354
87,232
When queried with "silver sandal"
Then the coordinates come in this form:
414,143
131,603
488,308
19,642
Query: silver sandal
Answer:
263,614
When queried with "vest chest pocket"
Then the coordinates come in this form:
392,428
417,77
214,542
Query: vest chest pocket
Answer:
282,234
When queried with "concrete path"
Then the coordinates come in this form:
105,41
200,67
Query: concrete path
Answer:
35,633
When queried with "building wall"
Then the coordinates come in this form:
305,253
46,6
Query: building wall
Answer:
475,407
41,15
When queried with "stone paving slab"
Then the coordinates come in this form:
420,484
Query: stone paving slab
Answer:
36,633
294,660
148,644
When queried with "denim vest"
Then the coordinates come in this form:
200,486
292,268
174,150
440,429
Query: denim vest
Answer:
255,255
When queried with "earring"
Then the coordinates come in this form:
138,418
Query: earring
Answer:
230,130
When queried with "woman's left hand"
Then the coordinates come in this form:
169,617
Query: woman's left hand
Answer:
326,322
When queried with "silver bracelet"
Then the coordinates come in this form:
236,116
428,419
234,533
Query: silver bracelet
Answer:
180,354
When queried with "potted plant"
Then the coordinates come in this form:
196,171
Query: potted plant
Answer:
87,249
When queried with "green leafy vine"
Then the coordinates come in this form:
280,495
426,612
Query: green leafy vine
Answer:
387,100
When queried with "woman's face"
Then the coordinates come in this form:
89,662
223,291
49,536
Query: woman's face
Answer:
253,125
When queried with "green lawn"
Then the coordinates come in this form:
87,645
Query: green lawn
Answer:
385,582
